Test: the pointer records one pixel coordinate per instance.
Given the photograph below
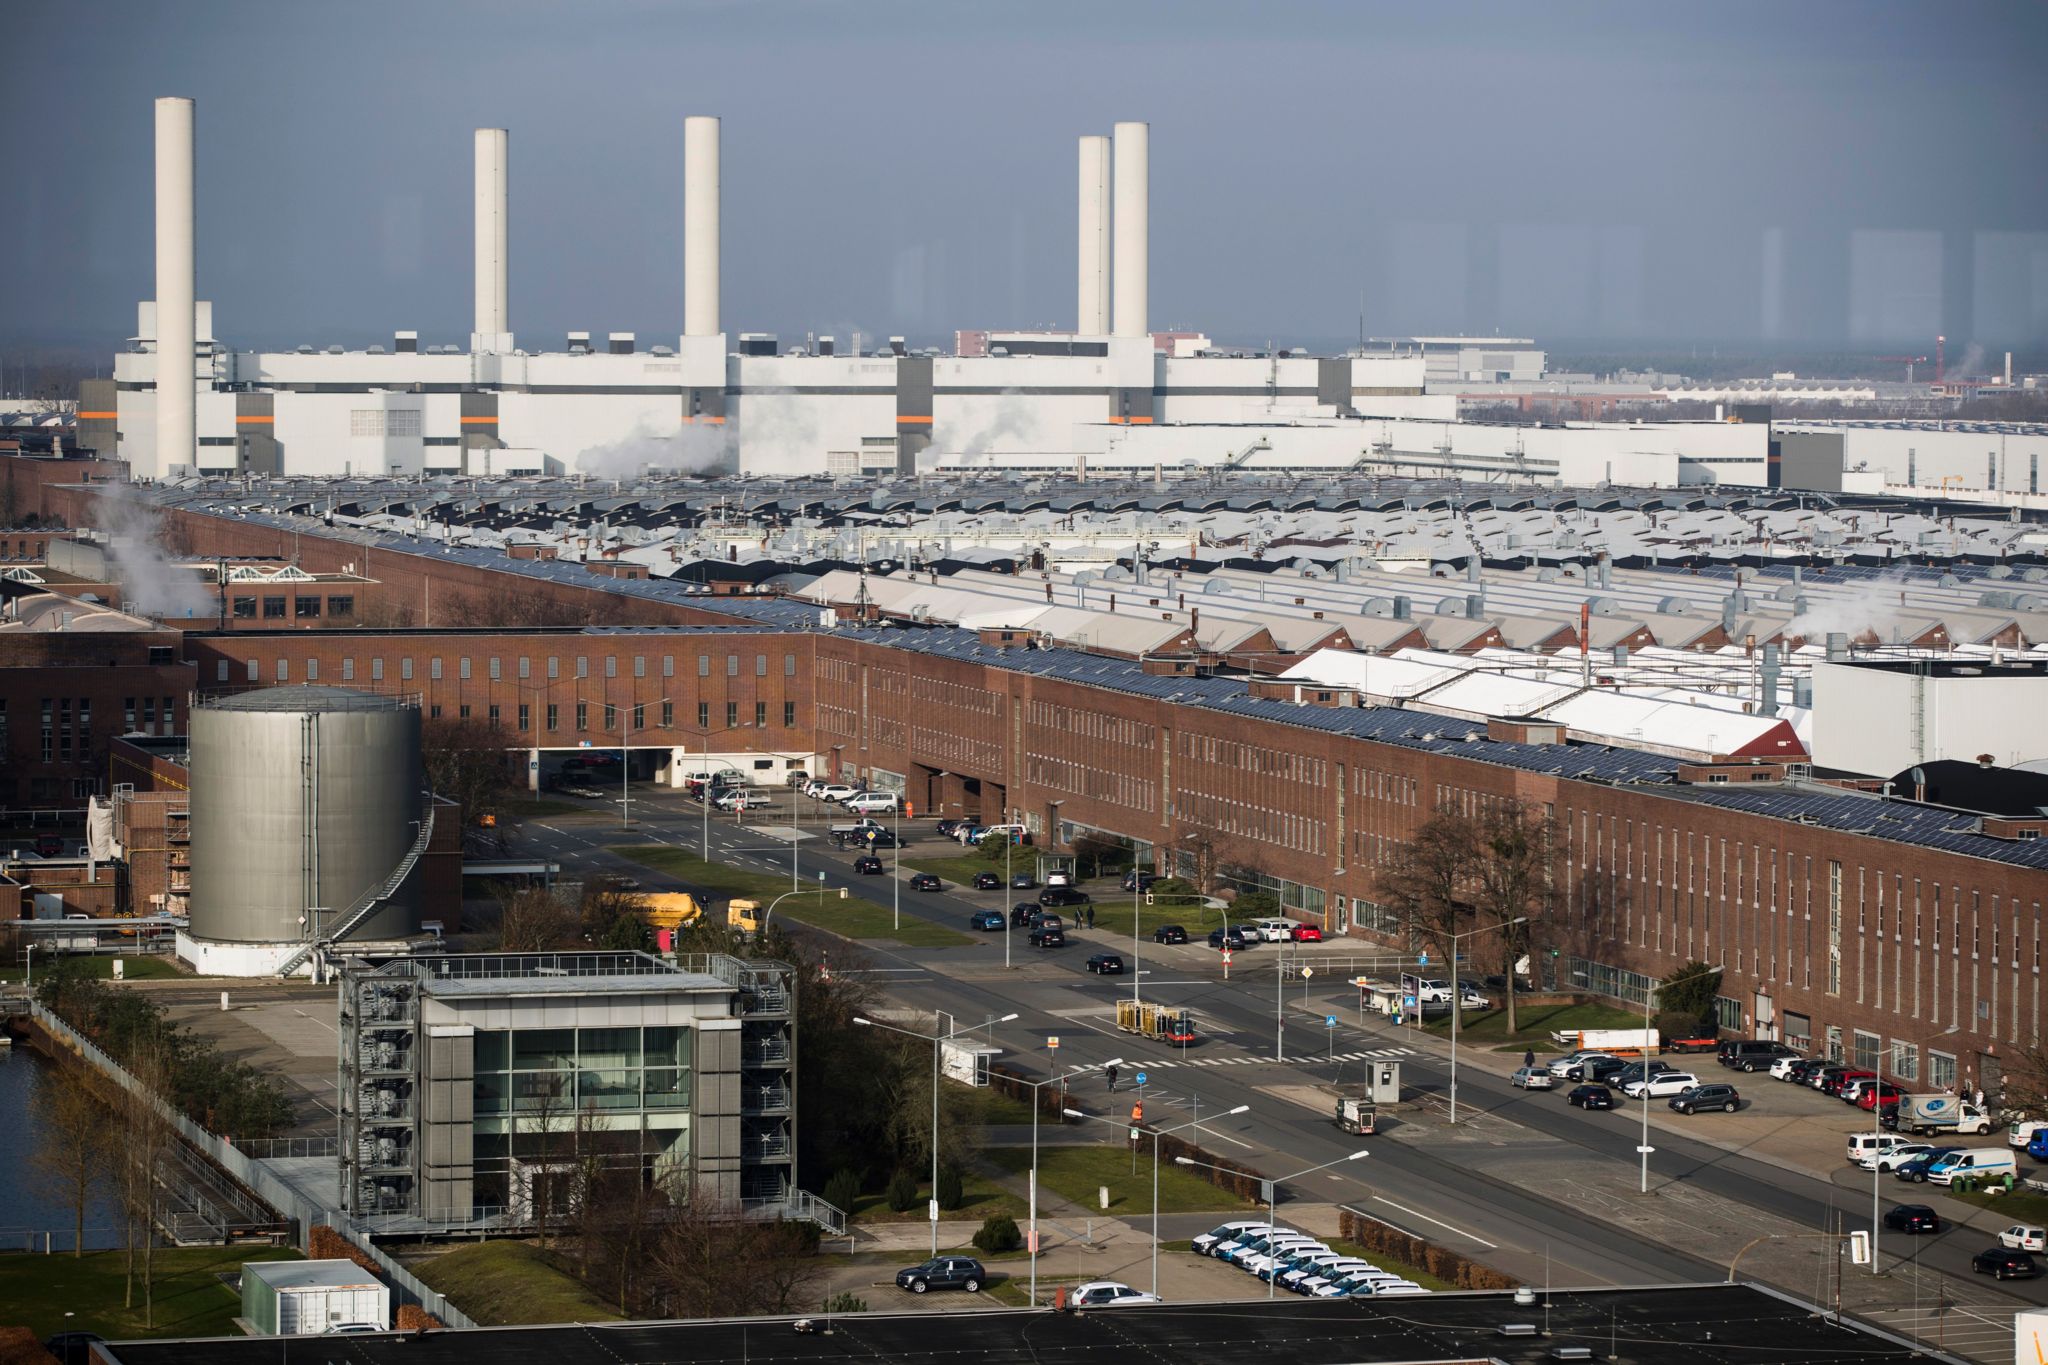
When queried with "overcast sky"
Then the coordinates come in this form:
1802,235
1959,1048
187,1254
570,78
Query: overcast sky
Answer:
1801,172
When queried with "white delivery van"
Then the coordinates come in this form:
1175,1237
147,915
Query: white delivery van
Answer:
1978,1163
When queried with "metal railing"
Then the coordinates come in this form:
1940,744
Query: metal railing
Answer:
272,1149
367,904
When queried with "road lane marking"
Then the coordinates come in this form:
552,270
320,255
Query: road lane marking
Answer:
1491,1246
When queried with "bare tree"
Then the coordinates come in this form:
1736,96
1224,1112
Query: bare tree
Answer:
517,603
1514,877
533,920
1431,878
71,1150
710,1261
146,1137
546,1122
465,762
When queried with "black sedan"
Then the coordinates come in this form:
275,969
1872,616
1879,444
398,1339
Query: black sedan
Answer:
1106,964
868,865
2005,1263
1599,1069
1911,1218
1139,881
1061,895
1169,933
987,881
947,828
926,881
1049,938
1590,1097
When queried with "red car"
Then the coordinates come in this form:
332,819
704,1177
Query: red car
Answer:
1307,933
1868,1097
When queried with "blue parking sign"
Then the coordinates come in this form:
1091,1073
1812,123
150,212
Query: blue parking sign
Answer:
1141,1078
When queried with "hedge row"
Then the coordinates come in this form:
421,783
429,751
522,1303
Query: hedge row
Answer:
1365,1231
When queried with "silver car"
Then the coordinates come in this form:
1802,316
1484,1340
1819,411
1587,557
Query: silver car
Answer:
1533,1078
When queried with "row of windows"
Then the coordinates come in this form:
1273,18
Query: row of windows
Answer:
609,715
1091,725
275,605
1255,759
1112,785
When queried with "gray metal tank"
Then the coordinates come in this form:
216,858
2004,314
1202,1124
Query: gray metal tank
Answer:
302,797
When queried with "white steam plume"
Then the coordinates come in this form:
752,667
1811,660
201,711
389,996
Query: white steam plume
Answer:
152,582
695,449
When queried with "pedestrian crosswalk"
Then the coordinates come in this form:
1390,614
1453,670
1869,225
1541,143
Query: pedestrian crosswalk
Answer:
1373,1054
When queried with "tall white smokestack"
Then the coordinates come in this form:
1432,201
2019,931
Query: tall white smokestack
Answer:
700,226
1133,226
177,432
492,288
1093,313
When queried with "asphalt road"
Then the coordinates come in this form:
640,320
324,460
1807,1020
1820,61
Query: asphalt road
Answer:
1443,1192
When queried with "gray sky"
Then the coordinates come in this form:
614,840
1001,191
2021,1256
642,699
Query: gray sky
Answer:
1803,172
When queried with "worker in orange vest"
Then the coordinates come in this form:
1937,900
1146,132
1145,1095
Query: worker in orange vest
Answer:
1138,1112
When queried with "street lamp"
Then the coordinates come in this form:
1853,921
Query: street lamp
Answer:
813,891
1643,1148
1157,1133
31,960
1035,1087
1458,996
1273,1190
1876,1115
936,1040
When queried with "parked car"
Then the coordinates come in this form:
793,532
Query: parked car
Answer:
1308,933
1169,933
1863,1148
1913,1170
1897,1156
1880,1093
1661,1086
1022,913
1563,1067
1106,964
2004,1263
872,803
1108,1294
1275,930
987,919
868,865
1752,1054
1532,1078
1062,895
944,1272
836,791
1706,1097
1023,881
1911,1218
1226,938
987,881
926,881
1798,1070
945,828
1635,1071
2024,1237
1599,1069
1206,1243
1139,881
1833,1082
1590,1097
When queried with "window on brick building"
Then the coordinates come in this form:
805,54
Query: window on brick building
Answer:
639,665
668,714
128,715
434,711
306,606
525,716
582,665
639,715
245,608
348,670
405,670
377,670
732,665
525,667
668,665
611,717
462,668
312,670
434,668
789,665
1941,1070
492,715
341,606
760,713
703,714
583,715
1905,1060
732,714
703,665
462,711
220,670
611,665
284,670
273,608
493,668
788,714
554,716
252,670
554,667
760,665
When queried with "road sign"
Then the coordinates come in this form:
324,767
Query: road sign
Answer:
1408,1001
1135,1134
1226,957
1053,1043
1329,1021
1422,960
1307,972
1141,1078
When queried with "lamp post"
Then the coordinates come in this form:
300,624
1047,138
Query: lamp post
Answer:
1643,1148
1273,1190
937,1040
1876,1116
30,958
1157,1133
1458,996
1035,1087
813,891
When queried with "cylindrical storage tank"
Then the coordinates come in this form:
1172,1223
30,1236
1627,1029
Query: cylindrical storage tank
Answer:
302,798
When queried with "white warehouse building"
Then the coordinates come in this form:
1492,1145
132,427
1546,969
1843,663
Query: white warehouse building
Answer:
1104,395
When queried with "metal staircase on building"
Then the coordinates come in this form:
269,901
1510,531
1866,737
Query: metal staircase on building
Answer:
368,903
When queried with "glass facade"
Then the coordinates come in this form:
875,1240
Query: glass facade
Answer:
538,1091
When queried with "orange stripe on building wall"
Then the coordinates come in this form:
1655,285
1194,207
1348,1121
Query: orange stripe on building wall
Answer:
99,416
913,421
479,421
253,420
706,417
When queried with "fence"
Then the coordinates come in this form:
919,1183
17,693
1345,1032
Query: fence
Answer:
303,1213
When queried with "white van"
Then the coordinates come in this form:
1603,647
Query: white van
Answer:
1866,1147
872,803
1978,1163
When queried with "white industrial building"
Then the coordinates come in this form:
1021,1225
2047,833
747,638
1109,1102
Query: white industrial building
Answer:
1111,393
1985,462
1883,716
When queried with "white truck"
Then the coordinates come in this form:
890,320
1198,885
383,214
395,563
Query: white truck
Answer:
1920,1114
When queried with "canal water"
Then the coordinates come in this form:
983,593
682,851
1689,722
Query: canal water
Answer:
30,1211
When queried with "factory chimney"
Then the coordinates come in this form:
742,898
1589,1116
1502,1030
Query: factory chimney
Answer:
177,432
700,226
1133,227
492,325
1092,317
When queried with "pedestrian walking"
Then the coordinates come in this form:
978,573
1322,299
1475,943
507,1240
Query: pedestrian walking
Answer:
1528,1057
1109,1074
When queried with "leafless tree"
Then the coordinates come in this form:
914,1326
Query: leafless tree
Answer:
516,603
1432,877
72,1151
533,920
146,1137
465,762
1515,877
546,1122
710,1261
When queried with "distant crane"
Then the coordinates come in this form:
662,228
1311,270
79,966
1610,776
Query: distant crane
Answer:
1909,361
